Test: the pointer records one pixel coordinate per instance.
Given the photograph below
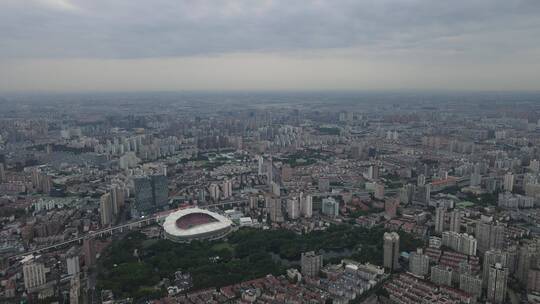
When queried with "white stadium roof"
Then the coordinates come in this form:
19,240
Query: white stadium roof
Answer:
172,229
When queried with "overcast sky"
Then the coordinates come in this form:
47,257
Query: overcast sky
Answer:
137,45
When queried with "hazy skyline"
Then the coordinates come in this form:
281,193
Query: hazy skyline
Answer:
135,45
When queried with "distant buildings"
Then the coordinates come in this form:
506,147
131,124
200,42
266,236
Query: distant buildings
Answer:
373,172
492,257
489,236
497,283
526,256
460,242
311,263
508,184
455,220
379,191
33,274
330,207
390,208
515,201
306,206
391,250
106,209
293,208
72,263
324,184
419,263
441,275
89,251
274,207
471,284
440,213
533,280
2,173
151,193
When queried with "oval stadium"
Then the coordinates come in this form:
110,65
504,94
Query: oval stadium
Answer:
190,224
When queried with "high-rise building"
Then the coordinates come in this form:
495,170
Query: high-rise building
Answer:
330,207
2,173
144,199
406,194
151,193
293,208
533,280
512,253
441,275
160,190
72,263
508,184
460,242
471,284
489,236
468,244
451,240
440,213
261,168
534,165
435,242
391,250
524,263
379,191
274,209
118,198
214,192
455,221
74,290
226,189
390,207
419,263
422,194
497,283
307,206
89,251
492,257
33,274
476,180
106,209
373,172
311,263
421,180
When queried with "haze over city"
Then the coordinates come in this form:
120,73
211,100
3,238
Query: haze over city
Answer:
269,152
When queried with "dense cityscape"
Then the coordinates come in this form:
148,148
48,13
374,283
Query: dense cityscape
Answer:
270,198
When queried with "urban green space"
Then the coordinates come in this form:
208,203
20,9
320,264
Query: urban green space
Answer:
135,265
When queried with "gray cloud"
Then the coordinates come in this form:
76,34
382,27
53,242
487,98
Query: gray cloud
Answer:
169,28
133,45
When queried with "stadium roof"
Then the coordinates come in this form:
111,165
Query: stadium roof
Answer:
172,228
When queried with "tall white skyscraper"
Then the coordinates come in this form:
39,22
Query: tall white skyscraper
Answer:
508,184
293,208
307,206
439,219
455,221
391,250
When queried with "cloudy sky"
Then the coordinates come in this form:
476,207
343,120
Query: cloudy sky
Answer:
138,45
